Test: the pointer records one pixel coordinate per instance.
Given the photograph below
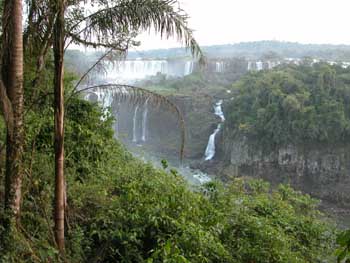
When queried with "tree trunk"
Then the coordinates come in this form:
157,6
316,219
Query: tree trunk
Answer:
59,126
12,86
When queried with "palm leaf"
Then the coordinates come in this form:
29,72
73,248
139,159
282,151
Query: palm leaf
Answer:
118,25
138,95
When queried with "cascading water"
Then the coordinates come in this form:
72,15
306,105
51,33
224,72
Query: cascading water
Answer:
210,150
219,67
129,71
105,99
259,65
218,110
188,68
249,66
134,127
144,121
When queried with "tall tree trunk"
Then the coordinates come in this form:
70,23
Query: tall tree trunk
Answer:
59,125
12,83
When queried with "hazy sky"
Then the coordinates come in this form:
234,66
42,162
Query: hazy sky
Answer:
232,21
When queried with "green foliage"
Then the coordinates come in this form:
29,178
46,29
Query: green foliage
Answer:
343,252
293,104
122,210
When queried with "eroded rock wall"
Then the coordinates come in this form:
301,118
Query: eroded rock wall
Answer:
321,170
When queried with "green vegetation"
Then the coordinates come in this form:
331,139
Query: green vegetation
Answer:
293,105
199,82
343,252
112,207
122,210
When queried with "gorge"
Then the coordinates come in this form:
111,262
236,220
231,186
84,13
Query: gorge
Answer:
213,148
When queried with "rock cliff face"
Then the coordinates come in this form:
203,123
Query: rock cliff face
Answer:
320,170
163,130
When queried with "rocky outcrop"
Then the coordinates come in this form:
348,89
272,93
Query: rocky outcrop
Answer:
323,171
163,130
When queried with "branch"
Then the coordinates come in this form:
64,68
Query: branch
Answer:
115,46
91,68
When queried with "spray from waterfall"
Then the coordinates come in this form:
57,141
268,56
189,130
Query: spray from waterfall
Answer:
144,121
134,128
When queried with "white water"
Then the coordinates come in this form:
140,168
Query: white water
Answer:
249,67
259,65
188,68
134,127
210,149
218,110
219,67
144,121
130,70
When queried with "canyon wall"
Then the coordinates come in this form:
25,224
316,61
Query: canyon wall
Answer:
318,169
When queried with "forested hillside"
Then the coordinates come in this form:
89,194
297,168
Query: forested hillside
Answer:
120,209
71,192
293,105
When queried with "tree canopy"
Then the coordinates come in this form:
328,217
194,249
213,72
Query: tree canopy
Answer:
293,105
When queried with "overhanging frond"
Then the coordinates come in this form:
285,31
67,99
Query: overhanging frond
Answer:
138,95
127,18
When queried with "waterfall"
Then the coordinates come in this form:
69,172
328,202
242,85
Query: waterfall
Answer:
219,67
259,65
218,110
105,99
130,70
210,150
249,67
144,121
188,68
134,127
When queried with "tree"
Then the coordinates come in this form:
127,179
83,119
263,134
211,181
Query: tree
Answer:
58,49
114,25
11,97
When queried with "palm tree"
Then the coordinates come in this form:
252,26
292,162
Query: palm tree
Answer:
114,25
11,98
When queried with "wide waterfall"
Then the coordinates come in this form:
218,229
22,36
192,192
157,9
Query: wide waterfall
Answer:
210,149
134,127
129,71
144,121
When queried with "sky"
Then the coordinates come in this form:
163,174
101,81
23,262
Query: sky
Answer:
234,21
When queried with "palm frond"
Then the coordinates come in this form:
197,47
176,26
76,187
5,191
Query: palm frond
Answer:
127,18
138,95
